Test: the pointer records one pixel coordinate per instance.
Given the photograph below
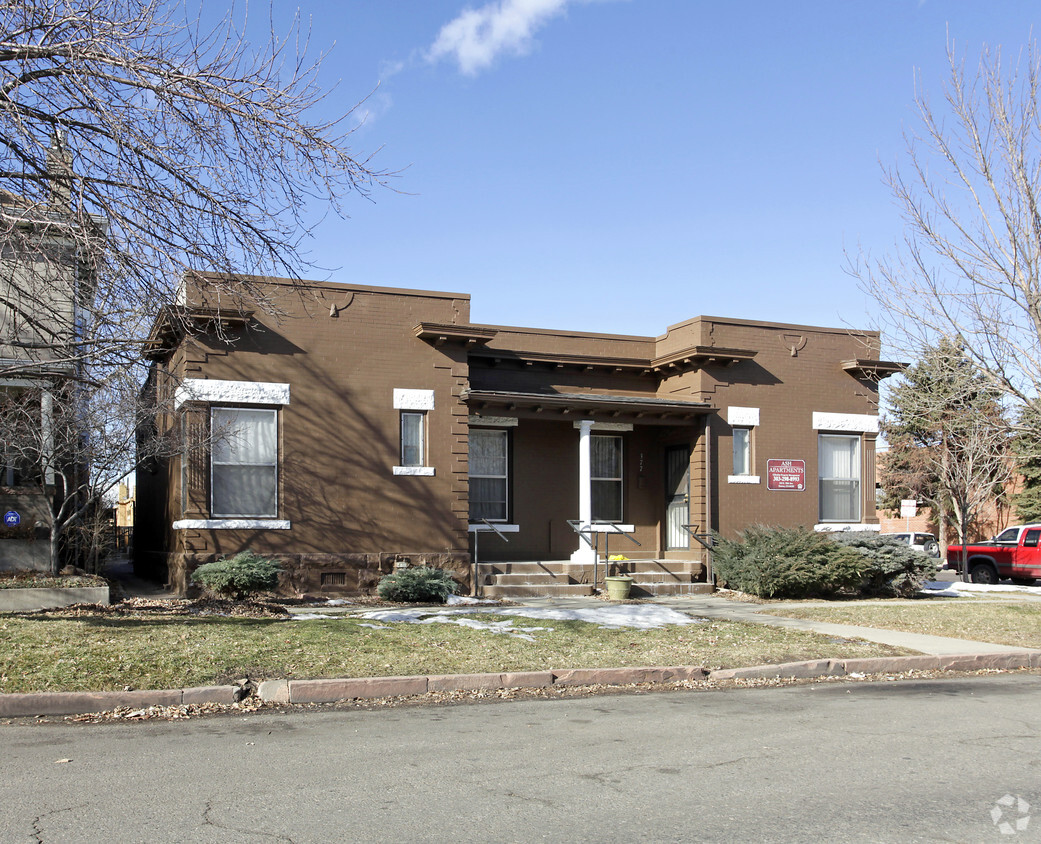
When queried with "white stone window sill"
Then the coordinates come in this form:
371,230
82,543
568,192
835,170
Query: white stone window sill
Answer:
502,528
415,471
742,479
231,524
611,528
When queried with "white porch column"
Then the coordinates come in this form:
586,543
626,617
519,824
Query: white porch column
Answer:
584,554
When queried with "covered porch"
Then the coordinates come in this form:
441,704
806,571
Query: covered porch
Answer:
560,482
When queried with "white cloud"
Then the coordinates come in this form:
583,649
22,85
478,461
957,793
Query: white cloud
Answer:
478,36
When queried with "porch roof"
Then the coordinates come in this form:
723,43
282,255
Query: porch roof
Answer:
564,403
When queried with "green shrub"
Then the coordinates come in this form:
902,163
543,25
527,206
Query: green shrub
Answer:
772,562
243,575
894,568
421,584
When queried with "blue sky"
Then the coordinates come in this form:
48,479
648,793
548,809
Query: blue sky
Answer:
621,165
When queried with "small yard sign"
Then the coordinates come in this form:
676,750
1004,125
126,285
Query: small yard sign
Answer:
786,474
12,518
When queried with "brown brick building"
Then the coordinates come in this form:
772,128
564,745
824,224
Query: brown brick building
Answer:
372,427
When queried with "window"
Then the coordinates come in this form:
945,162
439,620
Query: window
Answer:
606,477
244,463
742,451
1008,535
489,475
839,472
1030,540
412,439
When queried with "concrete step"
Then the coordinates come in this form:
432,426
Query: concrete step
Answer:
567,567
640,567
533,568
547,578
659,577
647,590
548,590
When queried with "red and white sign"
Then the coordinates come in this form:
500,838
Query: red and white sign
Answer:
786,474
908,508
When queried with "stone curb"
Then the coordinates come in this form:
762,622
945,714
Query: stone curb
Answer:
883,665
361,688
78,703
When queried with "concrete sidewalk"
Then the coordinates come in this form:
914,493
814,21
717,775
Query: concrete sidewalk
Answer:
713,606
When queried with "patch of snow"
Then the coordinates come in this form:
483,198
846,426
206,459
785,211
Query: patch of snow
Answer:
308,616
336,602
637,616
940,590
375,626
407,616
957,588
460,600
454,617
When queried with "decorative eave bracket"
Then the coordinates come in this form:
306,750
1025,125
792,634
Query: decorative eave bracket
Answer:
440,333
873,370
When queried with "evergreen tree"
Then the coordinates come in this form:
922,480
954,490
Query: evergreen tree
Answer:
1026,448
948,438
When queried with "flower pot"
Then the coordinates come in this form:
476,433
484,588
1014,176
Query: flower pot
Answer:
618,587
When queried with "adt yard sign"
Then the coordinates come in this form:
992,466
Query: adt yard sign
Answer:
786,474
12,518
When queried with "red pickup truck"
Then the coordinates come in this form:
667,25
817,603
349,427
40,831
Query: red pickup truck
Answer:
1015,554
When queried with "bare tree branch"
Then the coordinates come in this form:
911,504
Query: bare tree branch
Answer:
969,267
137,147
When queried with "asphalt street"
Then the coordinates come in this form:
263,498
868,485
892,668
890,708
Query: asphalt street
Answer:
944,760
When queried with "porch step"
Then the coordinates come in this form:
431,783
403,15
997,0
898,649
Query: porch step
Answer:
657,576
554,568
515,579
537,590
638,568
648,590
564,578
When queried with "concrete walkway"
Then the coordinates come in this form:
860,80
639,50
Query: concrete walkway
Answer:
713,606
120,569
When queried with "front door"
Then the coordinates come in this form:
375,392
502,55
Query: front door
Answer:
677,497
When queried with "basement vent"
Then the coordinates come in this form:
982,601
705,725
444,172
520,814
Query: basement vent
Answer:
334,578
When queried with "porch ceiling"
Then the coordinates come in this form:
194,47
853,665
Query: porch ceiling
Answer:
643,410
686,360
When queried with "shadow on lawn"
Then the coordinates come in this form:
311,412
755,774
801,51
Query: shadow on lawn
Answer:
135,622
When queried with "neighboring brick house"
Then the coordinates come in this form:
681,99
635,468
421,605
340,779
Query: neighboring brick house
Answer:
371,427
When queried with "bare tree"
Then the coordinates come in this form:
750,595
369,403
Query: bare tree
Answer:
969,267
136,146
148,146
